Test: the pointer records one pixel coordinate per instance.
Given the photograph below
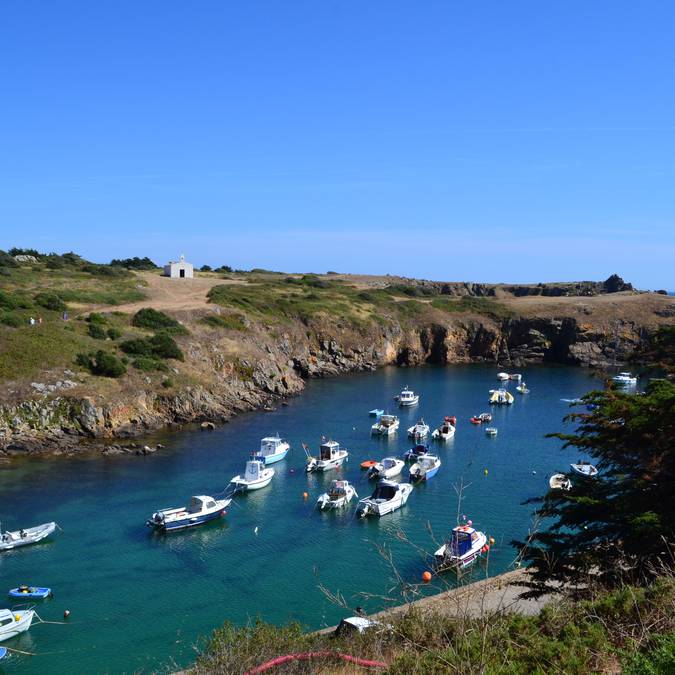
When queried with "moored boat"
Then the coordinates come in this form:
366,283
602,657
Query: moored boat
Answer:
386,425
559,481
272,449
584,468
425,468
625,378
331,456
15,621
376,412
24,537
386,497
491,431
503,376
407,398
522,388
387,468
500,397
419,430
200,510
416,451
256,476
465,546
446,430
339,494
32,592
515,376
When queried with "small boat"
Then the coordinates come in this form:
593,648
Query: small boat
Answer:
491,431
446,430
387,468
368,463
339,494
387,497
3,652
485,417
331,456
515,376
255,476
584,469
419,430
465,546
30,535
500,397
558,481
502,376
201,509
33,592
272,449
425,468
376,412
386,425
15,621
522,388
415,452
625,379
407,398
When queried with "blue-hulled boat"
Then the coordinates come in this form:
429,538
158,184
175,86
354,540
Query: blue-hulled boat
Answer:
425,468
201,510
376,412
33,592
272,449
3,652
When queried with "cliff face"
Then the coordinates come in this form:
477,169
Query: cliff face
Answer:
275,363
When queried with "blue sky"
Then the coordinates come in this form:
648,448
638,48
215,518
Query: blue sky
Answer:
485,141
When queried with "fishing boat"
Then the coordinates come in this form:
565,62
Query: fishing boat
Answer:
272,449
331,456
15,621
386,425
32,592
465,546
491,431
522,388
425,468
200,510
419,430
625,379
558,481
256,476
339,494
387,468
386,497
584,469
24,537
407,398
376,412
446,430
500,397
503,376
415,452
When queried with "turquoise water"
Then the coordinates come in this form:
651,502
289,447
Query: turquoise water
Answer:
139,601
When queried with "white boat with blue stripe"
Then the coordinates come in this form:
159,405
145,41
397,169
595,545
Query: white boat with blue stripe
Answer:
201,509
255,476
272,449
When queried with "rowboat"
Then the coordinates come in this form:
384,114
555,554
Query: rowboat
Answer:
32,592
31,535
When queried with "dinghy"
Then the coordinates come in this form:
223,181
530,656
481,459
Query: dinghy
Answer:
558,481
255,476
387,468
407,398
387,497
13,622
491,431
386,425
32,592
272,449
465,546
500,397
201,509
419,430
31,535
425,468
446,430
584,469
339,494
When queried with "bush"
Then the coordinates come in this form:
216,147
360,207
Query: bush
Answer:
7,301
95,317
50,301
134,263
147,363
6,260
114,333
205,268
167,383
103,270
165,347
95,331
107,365
230,321
155,320
137,346
11,319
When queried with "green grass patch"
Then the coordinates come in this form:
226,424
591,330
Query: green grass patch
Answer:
153,319
473,305
147,364
228,321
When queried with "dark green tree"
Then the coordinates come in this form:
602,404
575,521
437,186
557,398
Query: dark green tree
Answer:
620,525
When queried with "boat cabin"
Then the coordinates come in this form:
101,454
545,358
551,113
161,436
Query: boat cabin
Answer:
388,463
200,503
338,488
427,462
406,396
254,469
329,450
384,492
463,538
387,420
270,445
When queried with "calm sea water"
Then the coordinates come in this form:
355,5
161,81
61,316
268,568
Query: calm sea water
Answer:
139,601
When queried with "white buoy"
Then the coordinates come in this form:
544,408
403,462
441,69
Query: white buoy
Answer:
255,531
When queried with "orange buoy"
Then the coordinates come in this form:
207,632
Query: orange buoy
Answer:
492,541
305,495
426,577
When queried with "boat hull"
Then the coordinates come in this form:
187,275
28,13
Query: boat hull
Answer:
328,464
191,522
248,486
272,459
12,540
446,561
35,594
17,627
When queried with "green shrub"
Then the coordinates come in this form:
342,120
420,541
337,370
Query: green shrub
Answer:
7,260
95,317
103,270
137,346
134,263
230,321
107,365
155,320
50,301
7,301
167,383
147,363
96,331
114,333
658,658
165,347
11,319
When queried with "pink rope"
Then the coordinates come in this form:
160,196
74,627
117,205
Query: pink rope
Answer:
305,656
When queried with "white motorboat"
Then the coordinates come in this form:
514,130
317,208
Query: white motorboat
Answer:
425,468
386,425
465,546
387,468
387,497
584,469
419,430
522,388
625,379
491,431
500,397
272,449
15,621
256,476
502,376
201,509
407,398
339,494
558,481
515,376
331,456
29,535
446,430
